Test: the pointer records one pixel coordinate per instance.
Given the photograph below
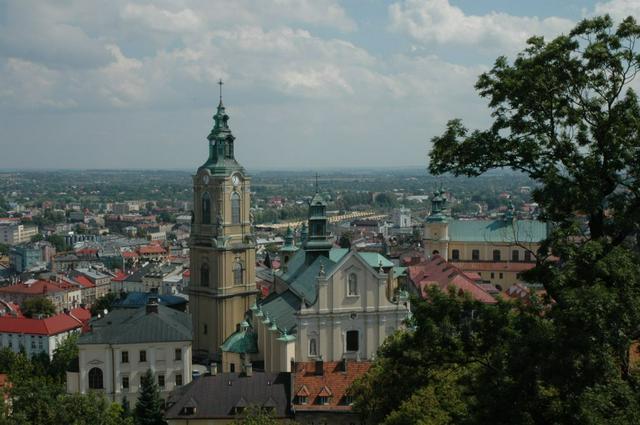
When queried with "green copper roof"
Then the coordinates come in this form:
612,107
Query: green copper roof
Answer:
282,309
526,231
375,260
241,342
221,151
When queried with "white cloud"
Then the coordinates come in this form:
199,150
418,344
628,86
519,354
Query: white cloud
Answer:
438,22
158,19
619,9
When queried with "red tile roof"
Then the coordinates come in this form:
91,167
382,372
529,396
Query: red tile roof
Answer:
35,287
50,326
119,277
129,254
151,249
333,383
84,281
490,266
437,272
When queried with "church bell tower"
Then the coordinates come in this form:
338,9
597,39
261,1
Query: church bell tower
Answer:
222,245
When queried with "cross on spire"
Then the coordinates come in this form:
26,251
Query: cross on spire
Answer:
316,182
220,83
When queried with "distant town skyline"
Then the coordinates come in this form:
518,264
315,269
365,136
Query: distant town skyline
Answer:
311,84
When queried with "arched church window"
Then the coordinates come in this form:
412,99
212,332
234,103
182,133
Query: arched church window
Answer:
237,273
95,379
235,208
352,284
206,208
204,275
313,347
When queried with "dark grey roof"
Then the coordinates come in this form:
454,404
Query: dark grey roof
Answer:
281,308
128,326
218,396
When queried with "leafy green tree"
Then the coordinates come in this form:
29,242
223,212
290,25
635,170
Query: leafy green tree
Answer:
104,302
65,353
256,415
89,409
58,242
565,115
4,249
345,240
35,306
37,237
148,409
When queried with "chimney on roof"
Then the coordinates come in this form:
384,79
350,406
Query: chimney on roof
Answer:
152,305
319,367
214,369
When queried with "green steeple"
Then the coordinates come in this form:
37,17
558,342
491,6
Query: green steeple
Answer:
221,158
438,204
317,242
288,246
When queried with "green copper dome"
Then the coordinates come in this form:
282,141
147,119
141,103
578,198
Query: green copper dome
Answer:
221,150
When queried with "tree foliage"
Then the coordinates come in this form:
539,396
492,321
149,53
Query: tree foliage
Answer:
104,303
563,113
35,306
148,409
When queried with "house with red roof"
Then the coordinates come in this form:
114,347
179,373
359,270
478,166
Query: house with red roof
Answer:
40,335
321,391
152,252
444,275
63,295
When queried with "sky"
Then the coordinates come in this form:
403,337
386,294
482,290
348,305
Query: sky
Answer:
308,84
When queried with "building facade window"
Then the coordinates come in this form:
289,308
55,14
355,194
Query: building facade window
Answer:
161,381
237,273
178,354
313,347
204,275
143,356
475,255
235,208
515,255
352,341
500,275
95,379
455,254
178,380
124,357
496,255
206,208
352,289
527,256
125,382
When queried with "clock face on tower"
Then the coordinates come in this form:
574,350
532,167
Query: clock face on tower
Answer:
235,179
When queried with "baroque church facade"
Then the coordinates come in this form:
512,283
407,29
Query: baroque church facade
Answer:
327,303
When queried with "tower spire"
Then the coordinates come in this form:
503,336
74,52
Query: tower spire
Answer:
220,83
316,182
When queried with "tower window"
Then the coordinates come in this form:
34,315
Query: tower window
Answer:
352,289
204,275
455,254
237,273
496,255
475,255
206,208
352,341
235,208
